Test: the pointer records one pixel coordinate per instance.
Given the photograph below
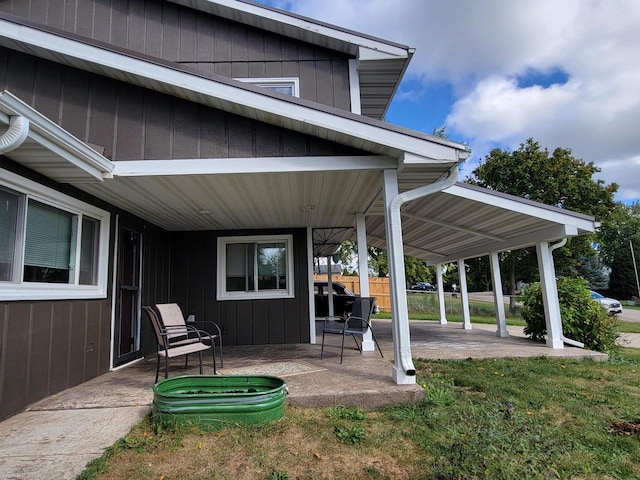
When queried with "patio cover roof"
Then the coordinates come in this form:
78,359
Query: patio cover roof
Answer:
466,221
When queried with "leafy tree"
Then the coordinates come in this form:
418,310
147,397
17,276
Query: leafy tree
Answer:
478,274
378,261
417,270
618,235
593,271
557,179
440,132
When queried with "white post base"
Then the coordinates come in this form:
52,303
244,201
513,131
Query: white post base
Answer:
401,378
368,346
502,333
554,343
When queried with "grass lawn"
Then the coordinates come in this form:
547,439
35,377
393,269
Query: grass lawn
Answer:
536,418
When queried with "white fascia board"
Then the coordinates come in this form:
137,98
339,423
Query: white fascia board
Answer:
369,54
544,212
220,166
555,232
408,160
177,80
56,139
305,25
354,87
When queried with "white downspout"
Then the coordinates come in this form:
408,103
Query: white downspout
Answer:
401,342
569,341
15,135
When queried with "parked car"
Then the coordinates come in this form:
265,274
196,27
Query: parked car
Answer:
612,306
342,299
427,287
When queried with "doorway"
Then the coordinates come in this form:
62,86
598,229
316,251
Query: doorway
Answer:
126,342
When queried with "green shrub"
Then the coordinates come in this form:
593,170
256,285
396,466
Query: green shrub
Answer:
583,319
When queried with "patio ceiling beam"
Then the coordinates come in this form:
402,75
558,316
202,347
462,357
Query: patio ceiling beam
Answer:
422,218
223,166
414,247
526,240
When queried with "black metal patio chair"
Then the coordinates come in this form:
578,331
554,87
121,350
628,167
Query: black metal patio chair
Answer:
358,323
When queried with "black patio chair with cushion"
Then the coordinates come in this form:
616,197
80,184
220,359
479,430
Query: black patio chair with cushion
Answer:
356,324
168,350
171,316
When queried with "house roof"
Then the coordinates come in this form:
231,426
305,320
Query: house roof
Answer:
233,96
381,63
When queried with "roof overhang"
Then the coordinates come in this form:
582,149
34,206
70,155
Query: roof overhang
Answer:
51,150
381,63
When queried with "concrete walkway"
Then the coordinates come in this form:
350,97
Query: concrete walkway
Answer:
57,437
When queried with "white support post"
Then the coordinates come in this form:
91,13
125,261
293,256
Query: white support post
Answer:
312,309
363,271
462,273
330,285
549,295
498,298
403,370
440,286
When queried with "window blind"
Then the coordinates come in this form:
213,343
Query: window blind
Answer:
48,237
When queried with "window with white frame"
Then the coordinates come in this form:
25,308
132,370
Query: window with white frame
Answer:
286,85
51,246
255,267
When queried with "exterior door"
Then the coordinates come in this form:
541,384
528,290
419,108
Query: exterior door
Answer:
127,325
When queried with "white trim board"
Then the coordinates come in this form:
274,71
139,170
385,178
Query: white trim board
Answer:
220,166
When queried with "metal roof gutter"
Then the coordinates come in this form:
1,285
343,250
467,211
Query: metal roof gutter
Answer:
403,369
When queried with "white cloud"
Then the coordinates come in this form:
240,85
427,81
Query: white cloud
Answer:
482,47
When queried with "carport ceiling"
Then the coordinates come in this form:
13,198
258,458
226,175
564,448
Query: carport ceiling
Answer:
465,221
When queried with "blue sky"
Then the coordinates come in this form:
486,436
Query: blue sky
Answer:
497,72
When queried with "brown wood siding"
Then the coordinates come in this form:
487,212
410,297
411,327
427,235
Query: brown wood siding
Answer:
243,322
49,346
133,123
211,44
